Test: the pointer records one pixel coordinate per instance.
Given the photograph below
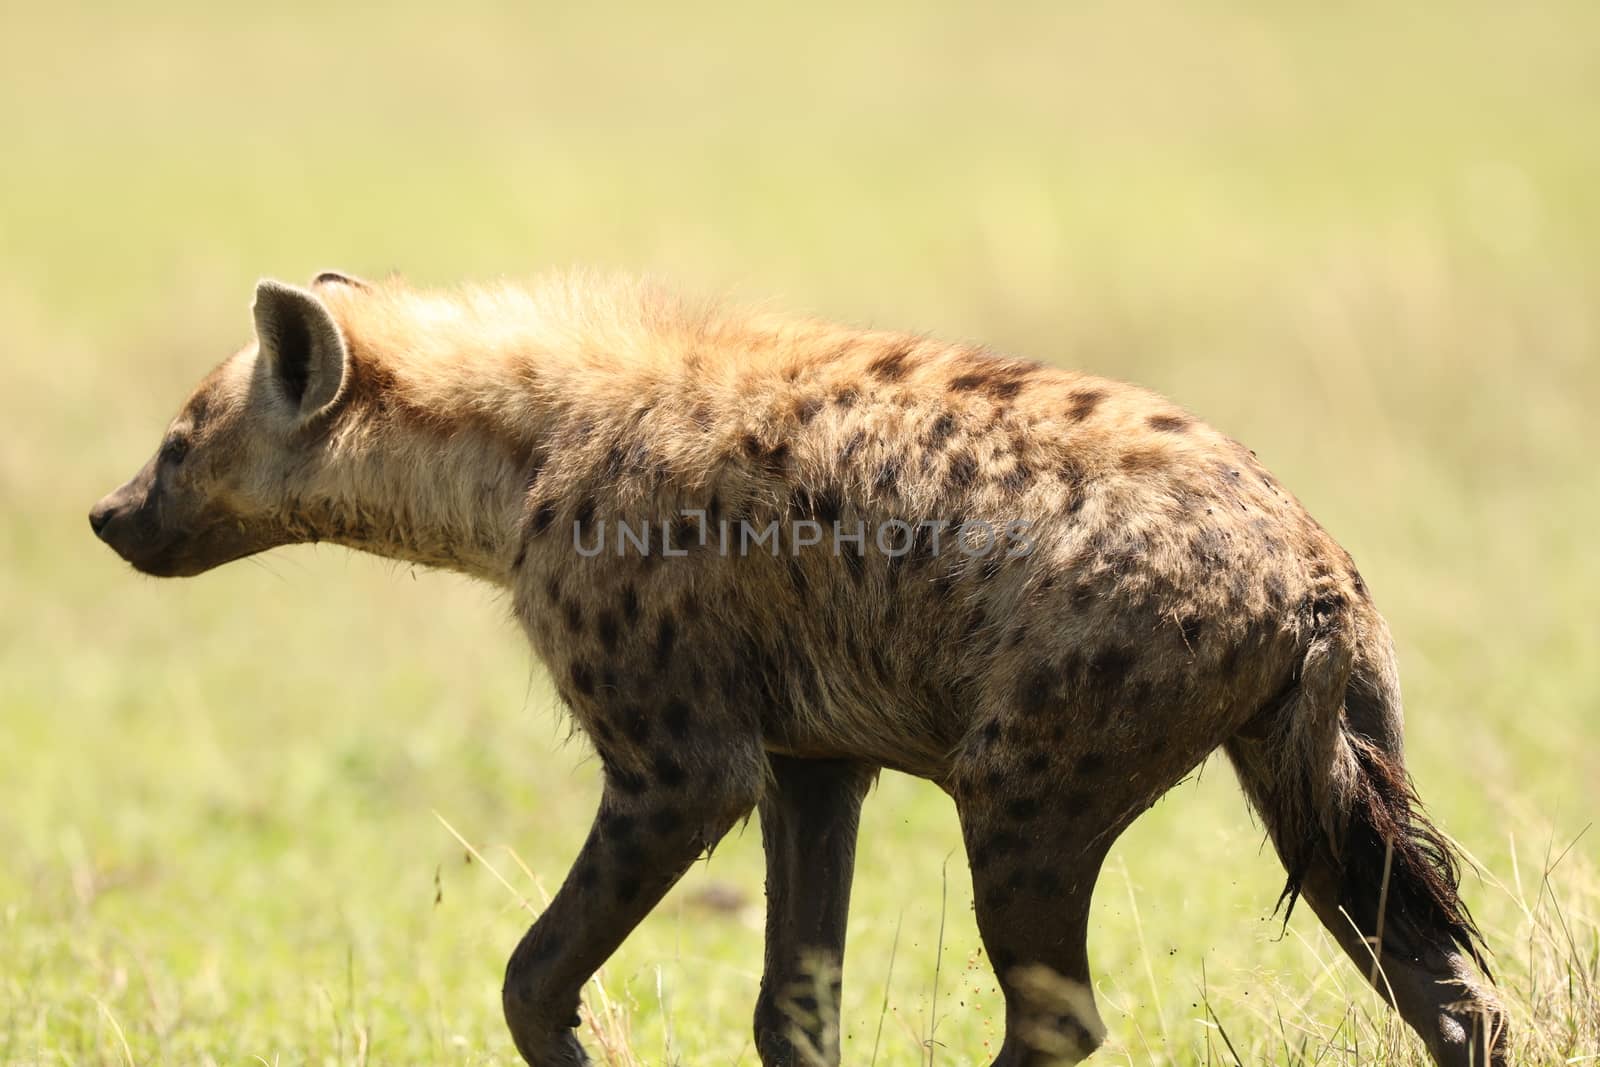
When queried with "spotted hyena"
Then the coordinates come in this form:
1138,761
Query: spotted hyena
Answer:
765,557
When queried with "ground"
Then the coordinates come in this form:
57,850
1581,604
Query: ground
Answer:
238,811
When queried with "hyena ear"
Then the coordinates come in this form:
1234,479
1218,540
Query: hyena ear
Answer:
333,277
301,344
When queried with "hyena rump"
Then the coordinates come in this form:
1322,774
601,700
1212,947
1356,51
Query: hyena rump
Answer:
1148,594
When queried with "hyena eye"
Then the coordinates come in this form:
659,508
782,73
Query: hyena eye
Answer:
173,451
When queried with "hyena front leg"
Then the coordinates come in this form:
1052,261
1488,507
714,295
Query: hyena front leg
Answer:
808,827
650,828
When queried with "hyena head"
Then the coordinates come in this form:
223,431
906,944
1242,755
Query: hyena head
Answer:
224,482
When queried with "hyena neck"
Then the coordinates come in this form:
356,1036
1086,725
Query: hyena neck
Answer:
441,501
466,406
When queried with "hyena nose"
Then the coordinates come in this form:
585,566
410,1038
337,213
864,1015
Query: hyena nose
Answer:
99,515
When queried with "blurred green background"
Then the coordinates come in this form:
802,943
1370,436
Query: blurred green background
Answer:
1363,238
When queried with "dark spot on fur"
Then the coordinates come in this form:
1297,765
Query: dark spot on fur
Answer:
665,820
630,604
828,508
963,469
806,409
972,628
1111,664
891,366
776,460
1037,763
686,533
666,638
1142,458
572,615
1001,385
1006,843
852,445
1168,423
617,825
630,854
986,852
635,724
1035,694
888,476
1090,763
846,397
773,459
1072,476
1084,401
585,875
676,718
990,732
1191,627
668,771
629,783
1017,478
940,431
1022,809
583,678
585,513
1046,883
547,944
542,517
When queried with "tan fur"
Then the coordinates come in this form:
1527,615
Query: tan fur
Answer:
1172,598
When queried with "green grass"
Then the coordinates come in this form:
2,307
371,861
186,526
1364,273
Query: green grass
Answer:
1364,240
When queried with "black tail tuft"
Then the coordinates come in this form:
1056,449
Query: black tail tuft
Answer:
1399,877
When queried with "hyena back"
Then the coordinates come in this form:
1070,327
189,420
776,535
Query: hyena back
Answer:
1051,594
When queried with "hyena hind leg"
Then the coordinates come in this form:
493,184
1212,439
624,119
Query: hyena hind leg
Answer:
1035,847
810,813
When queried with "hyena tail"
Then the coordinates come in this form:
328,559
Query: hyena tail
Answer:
1324,769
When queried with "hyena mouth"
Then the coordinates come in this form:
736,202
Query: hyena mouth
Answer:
185,555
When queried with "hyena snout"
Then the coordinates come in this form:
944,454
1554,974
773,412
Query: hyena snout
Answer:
100,515
127,519
167,537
